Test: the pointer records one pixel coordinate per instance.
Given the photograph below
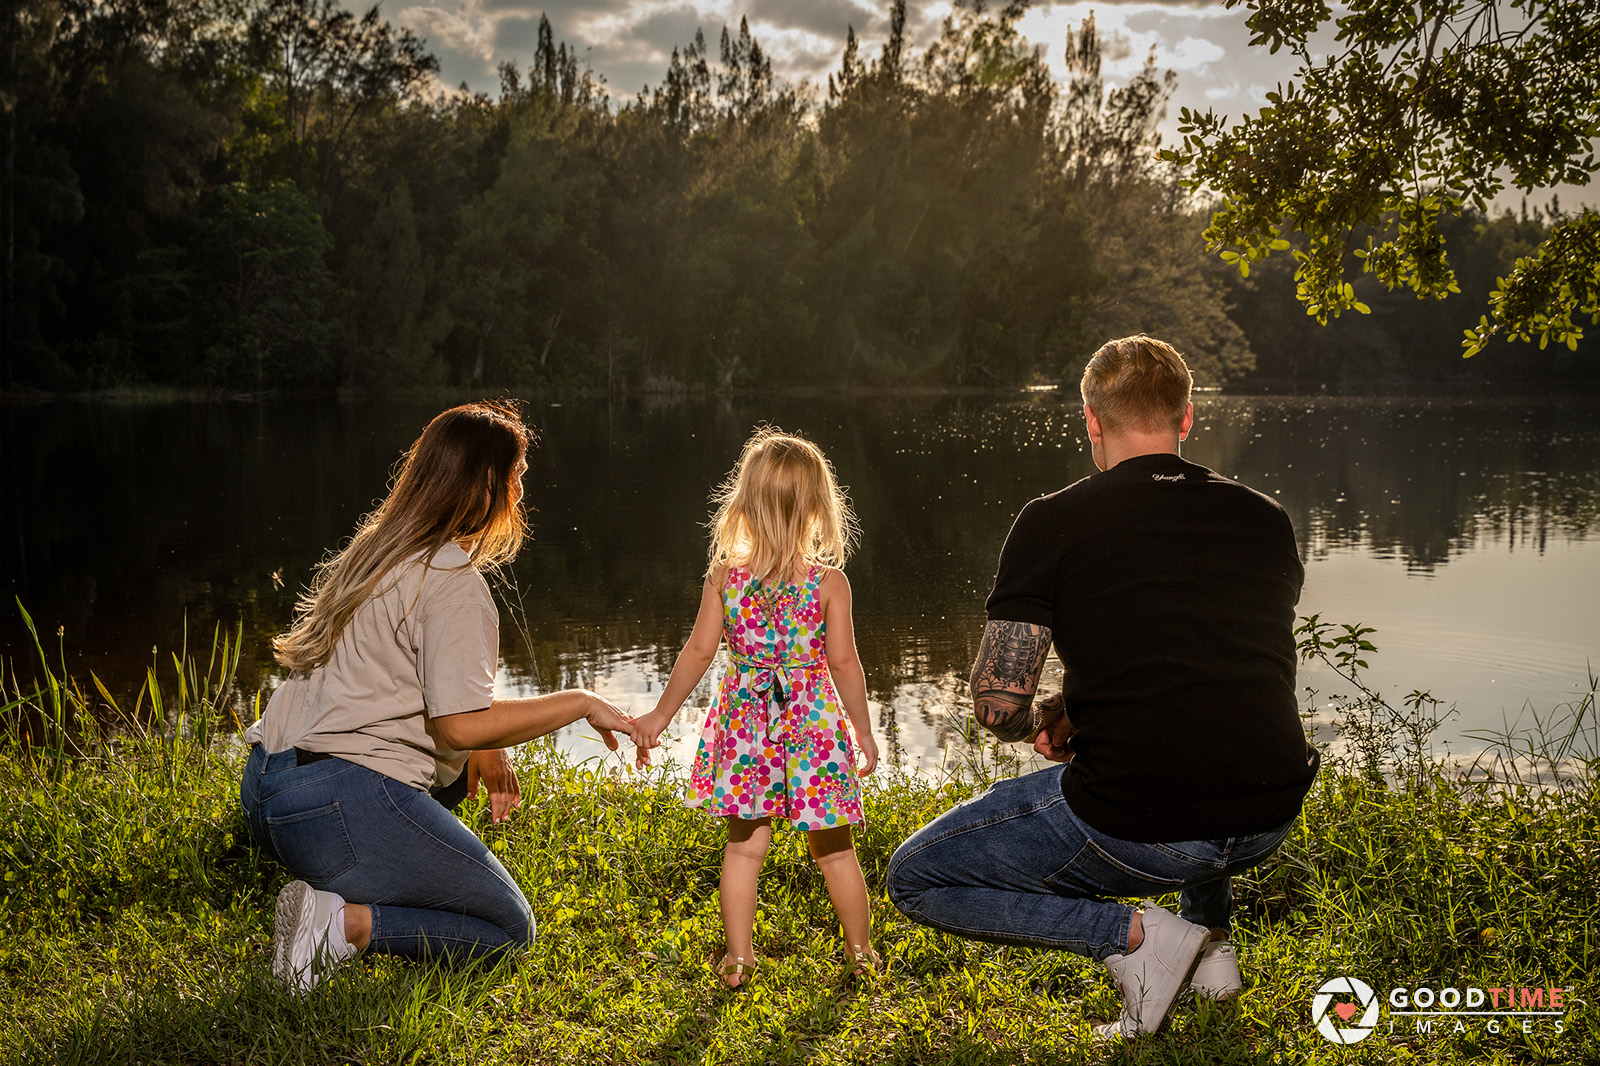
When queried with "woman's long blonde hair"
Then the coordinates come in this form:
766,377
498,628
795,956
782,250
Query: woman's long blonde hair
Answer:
460,481
781,510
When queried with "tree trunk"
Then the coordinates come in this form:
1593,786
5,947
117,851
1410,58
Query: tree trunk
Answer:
555,323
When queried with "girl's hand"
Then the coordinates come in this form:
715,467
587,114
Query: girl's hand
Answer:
867,748
651,726
492,766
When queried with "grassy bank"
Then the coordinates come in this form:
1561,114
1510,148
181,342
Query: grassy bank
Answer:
138,918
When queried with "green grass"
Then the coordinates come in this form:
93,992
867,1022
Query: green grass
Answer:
138,919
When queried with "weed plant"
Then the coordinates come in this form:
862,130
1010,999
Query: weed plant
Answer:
138,917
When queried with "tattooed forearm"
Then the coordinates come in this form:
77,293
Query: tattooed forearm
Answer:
1008,716
1005,677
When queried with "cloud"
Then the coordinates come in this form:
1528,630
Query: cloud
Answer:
1195,54
460,34
827,19
465,26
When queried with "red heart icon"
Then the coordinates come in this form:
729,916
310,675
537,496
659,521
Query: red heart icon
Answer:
1345,1010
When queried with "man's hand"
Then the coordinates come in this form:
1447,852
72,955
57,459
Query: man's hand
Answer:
1055,729
492,766
1006,675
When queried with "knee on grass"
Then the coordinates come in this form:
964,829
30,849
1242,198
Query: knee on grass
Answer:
904,882
523,934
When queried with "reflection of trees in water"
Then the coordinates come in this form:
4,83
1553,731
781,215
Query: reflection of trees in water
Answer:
1422,479
124,523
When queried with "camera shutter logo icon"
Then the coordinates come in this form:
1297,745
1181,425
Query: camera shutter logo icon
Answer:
1326,1015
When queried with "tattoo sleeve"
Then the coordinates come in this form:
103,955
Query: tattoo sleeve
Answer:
1006,676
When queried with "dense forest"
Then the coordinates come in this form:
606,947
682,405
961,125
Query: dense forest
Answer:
254,195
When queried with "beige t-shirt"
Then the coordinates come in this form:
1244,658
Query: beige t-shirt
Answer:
426,643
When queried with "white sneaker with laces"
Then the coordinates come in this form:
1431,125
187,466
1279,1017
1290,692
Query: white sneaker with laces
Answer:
303,945
1217,974
1151,977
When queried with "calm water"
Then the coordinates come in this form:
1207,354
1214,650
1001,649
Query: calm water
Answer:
1467,531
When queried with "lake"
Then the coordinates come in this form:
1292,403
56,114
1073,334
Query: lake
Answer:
1465,530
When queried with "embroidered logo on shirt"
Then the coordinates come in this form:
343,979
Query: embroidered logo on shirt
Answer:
1166,477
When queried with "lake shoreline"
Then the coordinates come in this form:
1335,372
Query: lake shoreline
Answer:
137,395
1463,530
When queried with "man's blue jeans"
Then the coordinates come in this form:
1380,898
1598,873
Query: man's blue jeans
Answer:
434,888
1015,865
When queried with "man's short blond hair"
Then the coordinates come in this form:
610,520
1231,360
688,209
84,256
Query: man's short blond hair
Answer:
1137,383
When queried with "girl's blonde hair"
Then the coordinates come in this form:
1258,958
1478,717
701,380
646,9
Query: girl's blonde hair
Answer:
460,481
781,510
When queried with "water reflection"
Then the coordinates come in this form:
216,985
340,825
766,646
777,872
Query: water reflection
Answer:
127,524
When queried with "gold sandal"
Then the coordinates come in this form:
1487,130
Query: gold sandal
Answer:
734,967
864,965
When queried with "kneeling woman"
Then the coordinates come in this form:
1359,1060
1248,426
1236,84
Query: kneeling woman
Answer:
390,701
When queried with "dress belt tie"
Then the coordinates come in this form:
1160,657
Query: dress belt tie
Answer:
771,680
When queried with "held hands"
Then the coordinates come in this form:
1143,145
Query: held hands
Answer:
492,767
1056,729
651,725
610,720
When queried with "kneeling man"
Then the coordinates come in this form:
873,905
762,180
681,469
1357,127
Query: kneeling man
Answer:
1169,592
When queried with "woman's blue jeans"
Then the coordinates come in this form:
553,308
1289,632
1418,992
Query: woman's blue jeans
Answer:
434,888
1015,865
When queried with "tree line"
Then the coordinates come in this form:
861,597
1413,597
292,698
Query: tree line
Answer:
253,195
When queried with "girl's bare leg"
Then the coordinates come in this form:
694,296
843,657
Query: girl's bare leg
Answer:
741,868
836,857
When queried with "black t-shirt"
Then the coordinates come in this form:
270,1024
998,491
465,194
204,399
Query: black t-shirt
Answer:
1170,593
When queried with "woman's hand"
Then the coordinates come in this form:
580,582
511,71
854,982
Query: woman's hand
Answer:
492,766
610,720
867,748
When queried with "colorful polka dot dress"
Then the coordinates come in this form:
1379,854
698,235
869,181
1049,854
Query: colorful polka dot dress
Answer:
776,742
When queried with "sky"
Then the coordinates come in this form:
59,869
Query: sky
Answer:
630,42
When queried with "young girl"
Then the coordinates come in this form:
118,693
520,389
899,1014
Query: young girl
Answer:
776,742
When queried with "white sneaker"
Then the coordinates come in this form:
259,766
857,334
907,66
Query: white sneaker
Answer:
302,949
1151,977
1217,974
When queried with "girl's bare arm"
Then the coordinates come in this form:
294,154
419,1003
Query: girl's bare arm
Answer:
692,661
844,664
